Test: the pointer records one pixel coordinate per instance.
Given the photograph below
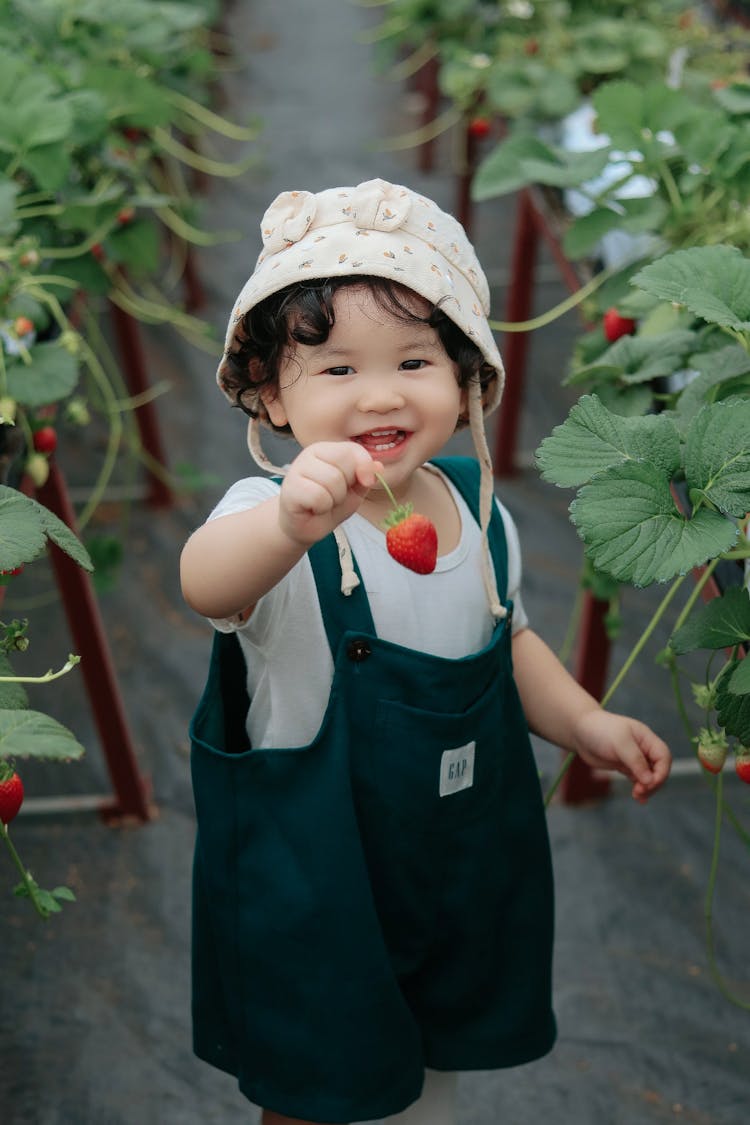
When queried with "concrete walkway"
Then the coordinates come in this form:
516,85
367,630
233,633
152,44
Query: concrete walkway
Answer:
95,1025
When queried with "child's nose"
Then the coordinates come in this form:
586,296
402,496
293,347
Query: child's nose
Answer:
380,395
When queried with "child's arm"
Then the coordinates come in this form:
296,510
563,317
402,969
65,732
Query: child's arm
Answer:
561,711
230,562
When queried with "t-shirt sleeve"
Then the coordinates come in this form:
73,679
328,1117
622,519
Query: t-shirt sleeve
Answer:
240,497
520,618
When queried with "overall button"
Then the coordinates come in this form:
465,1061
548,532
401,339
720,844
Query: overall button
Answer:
358,650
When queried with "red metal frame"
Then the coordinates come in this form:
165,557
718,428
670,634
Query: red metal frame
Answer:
135,372
132,790
531,226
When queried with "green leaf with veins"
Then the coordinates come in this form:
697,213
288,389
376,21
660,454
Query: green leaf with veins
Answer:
633,529
733,707
720,623
593,439
715,368
712,281
30,734
717,456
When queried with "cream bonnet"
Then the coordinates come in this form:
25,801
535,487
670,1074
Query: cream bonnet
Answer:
377,228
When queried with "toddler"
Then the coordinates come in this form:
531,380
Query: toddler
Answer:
373,906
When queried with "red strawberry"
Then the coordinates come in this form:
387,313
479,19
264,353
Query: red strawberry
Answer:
125,215
11,793
712,750
45,439
616,326
411,539
479,127
742,763
22,326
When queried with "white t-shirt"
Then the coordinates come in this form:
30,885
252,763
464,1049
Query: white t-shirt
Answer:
289,662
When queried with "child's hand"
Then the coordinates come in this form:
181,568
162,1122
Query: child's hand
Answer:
608,741
325,484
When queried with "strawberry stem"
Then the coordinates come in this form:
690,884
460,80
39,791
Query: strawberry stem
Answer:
388,492
28,882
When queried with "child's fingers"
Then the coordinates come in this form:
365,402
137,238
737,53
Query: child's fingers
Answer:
650,762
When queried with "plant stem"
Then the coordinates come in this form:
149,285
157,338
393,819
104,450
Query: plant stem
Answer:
47,677
708,904
28,882
558,310
388,492
429,132
634,653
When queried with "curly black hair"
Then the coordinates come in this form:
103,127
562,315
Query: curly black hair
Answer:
303,313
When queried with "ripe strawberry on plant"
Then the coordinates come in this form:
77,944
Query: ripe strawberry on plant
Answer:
479,127
411,538
11,792
616,325
712,750
45,439
22,326
742,763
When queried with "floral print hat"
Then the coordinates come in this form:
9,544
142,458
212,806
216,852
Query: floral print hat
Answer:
383,230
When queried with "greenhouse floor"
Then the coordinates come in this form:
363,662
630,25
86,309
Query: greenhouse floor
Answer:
95,1025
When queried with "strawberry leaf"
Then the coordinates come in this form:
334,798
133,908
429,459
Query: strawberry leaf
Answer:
716,367
51,375
593,439
720,623
717,455
632,115
12,694
634,531
712,281
30,734
733,707
25,526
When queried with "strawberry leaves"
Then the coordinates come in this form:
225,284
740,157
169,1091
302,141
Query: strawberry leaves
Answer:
625,511
713,282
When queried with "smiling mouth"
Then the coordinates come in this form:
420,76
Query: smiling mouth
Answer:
380,441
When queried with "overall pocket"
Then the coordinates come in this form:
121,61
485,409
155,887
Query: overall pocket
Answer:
432,770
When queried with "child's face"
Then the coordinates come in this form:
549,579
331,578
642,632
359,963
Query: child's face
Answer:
385,383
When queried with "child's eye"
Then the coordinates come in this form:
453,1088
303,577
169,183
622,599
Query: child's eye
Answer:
413,364
339,370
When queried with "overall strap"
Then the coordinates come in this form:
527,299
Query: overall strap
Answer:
464,473
341,612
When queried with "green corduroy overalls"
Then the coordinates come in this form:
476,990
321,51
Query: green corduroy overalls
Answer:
379,901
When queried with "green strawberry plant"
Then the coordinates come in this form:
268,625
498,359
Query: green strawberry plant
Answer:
25,529
661,495
532,63
692,146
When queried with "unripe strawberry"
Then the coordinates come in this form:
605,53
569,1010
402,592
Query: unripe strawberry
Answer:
37,469
125,216
712,750
8,407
